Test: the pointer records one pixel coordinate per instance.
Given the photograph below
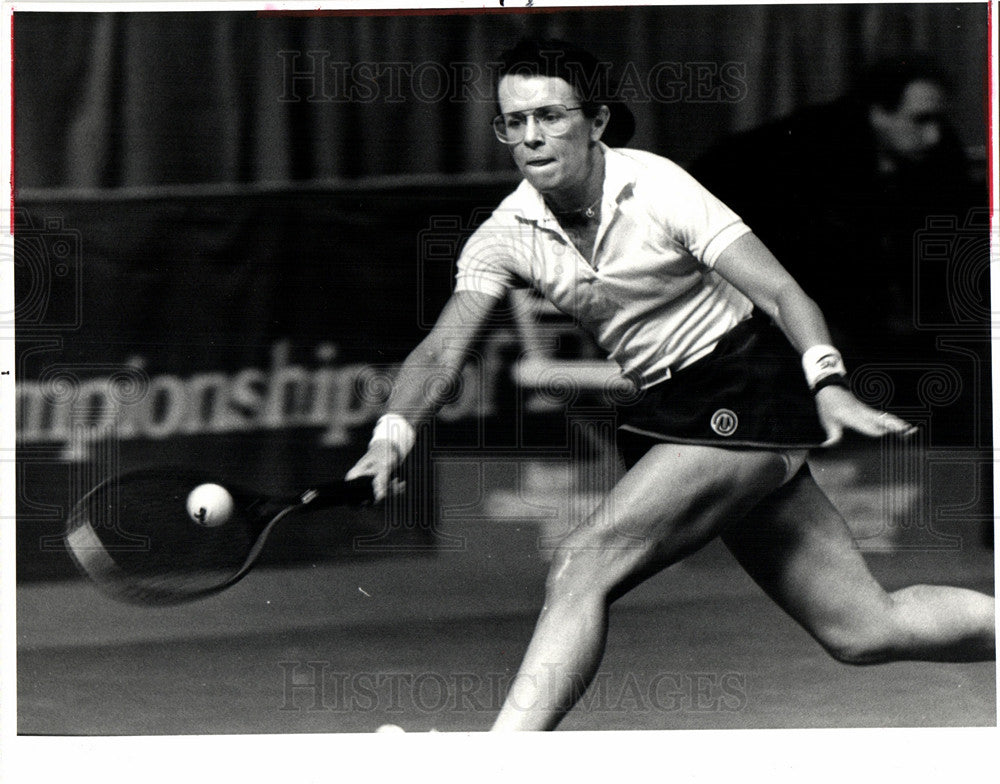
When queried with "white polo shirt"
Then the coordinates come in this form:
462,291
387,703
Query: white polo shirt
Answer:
649,295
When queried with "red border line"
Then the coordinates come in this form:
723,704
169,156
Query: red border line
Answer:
990,103
11,115
430,11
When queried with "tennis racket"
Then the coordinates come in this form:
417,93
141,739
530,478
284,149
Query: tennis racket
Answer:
134,537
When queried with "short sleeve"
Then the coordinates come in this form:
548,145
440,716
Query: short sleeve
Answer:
723,240
696,218
488,263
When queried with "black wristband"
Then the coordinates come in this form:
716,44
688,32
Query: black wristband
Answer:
833,380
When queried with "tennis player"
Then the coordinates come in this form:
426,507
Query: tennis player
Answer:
736,381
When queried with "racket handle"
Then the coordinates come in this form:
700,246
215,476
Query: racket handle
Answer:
350,492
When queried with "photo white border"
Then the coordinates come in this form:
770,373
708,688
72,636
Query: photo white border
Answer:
904,755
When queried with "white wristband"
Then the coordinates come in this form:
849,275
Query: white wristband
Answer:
397,431
818,362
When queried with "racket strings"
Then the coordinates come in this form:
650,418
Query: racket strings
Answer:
140,537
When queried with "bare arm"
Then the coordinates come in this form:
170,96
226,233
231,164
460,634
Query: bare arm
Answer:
432,369
754,270
426,378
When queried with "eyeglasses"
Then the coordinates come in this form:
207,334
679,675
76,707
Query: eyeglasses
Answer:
553,120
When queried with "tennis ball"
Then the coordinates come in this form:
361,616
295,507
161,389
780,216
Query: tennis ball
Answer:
210,505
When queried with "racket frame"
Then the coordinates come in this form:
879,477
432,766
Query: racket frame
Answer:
94,560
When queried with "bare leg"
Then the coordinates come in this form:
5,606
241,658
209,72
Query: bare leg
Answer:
673,501
800,551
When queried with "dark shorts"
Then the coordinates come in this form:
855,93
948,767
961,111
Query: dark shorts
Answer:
749,392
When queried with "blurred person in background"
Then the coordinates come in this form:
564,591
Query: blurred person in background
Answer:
842,193
839,192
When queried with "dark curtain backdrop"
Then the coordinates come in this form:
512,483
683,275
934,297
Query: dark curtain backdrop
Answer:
150,99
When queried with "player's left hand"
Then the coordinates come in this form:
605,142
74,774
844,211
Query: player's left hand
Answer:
839,410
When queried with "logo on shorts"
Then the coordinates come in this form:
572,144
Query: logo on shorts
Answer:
724,422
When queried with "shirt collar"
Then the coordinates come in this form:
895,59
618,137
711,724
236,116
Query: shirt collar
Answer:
619,176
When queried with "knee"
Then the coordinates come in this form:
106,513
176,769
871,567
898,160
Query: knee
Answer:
856,649
863,641
588,565
574,574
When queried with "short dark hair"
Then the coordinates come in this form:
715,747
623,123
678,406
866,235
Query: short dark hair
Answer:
552,57
884,82
589,77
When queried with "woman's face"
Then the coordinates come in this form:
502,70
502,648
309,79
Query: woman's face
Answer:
562,166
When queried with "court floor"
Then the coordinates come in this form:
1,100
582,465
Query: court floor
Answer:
429,642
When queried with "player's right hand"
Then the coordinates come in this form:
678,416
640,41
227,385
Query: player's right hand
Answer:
380,462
